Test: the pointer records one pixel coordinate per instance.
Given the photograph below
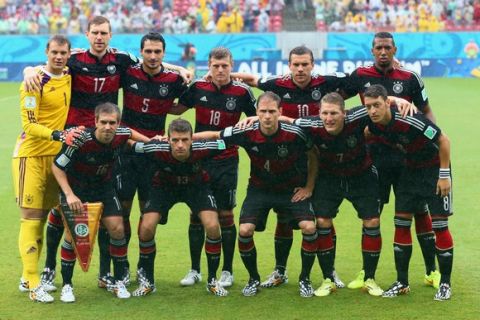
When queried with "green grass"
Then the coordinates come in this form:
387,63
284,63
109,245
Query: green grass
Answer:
454,102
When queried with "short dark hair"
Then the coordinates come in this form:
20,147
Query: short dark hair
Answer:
109,108
375,91
220,53
152,36
60,40
300,50
98,20
180,125
269,95
334,98
383,35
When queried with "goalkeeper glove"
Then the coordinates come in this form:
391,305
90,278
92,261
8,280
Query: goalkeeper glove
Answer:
71,136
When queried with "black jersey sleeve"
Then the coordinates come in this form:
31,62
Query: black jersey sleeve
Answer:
419,93
350,84
65,157
267,83
233,136
188,96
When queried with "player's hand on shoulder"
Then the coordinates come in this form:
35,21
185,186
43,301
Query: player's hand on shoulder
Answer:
159,138
245,123
73,137
186,75
32,79
404,107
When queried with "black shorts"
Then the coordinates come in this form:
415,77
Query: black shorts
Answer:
107,196
417,188
258,203
196,197
388,178
223,181
361,191
134,172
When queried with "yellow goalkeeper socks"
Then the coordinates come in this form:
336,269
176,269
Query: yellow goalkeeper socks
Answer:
28,243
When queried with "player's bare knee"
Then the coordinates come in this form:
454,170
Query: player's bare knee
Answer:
324,222
371,223
246,230
308,227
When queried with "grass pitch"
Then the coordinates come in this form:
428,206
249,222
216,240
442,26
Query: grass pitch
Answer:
454,102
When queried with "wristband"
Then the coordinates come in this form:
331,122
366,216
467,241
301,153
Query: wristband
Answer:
56,135
444,173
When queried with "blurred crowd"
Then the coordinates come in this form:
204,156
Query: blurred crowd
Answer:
397,15
166,16
230,16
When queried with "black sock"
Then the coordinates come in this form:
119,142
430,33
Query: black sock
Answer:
196,238
148,251
229,237
213,249
103,246
283,244
68,262
402,248
326,252
118,252
371,247
248,253
54,236
308,254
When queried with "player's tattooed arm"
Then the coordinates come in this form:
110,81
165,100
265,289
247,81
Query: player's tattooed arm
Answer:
32,80
444,182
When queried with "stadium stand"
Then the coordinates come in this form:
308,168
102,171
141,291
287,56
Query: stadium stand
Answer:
222,16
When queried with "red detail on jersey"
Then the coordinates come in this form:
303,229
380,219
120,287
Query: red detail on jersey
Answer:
298,110
152,106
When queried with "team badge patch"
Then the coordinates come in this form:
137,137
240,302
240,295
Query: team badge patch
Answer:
28,199
430,132
397,87
282,151
30,102
316,94
231,104
221,145
111,69
163,91
83,228
351,141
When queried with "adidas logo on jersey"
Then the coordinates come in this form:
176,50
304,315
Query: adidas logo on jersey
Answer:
255,148
204,99
85,69
286,96
134,86
367,85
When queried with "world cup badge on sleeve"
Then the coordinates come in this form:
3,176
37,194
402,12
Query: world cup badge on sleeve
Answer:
82,228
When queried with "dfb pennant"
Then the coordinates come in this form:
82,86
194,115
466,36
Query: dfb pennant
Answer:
82,228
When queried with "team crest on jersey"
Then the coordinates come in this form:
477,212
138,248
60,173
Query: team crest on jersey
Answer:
81,230
316,94
163,90
111,69
28,199
351,141
282,151
231,104
397,87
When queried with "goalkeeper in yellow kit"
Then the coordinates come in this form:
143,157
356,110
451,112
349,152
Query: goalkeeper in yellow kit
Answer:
43,118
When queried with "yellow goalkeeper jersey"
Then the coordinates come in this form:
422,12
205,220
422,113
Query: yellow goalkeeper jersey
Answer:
42,112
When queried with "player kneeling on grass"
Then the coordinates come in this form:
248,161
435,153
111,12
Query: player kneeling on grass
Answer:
179,177
426,180
275,148
85,175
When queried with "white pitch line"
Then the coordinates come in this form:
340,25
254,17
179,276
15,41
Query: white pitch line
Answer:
8,98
